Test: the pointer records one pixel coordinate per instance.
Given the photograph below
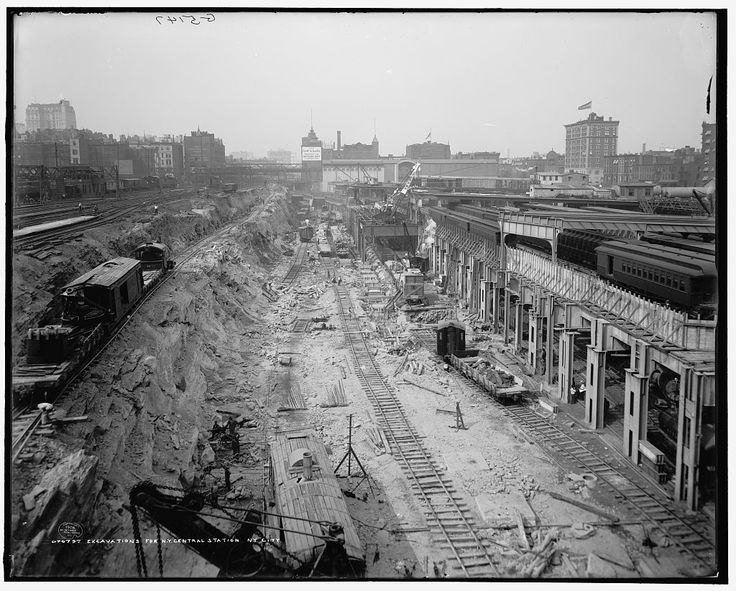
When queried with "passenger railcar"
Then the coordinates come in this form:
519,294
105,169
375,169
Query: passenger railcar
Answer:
310,502
688,280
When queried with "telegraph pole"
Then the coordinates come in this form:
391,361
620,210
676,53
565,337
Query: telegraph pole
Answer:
117,172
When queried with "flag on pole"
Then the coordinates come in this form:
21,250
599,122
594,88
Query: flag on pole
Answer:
429,136
588,105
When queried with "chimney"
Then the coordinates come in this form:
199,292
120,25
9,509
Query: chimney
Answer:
339,140
643,148
307,463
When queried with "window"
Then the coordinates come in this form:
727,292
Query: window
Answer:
682,285
631,403
686,434
669,281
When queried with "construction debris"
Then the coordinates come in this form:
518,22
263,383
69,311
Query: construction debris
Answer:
585,506
532,564
335,396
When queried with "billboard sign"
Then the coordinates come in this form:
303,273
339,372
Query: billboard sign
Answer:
311,154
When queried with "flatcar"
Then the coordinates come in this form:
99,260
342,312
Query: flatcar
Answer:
91,307
684,279
310,503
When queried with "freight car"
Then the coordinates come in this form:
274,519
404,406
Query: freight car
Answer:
412,285
309,504
92,306
306,233
324,250
684,279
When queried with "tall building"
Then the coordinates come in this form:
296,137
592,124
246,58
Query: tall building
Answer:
708,151
312,160
588,142
429,149
50,116
203,150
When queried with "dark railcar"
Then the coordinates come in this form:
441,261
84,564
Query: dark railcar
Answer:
306,233
686,279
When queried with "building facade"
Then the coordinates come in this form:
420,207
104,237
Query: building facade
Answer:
588,142
708,151
649,166
203,150
280,156
311,158
50,116
428,150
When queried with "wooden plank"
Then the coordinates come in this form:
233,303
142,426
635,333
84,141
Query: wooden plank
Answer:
522,531
584,506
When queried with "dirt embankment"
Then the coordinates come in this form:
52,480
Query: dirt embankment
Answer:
153,395
37,282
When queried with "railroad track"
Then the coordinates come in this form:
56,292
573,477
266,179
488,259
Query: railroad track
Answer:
691,535
451,525
26,420
296,265
113,211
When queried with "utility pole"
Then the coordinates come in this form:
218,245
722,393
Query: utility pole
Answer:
117,172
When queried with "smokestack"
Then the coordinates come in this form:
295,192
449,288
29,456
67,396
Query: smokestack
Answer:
307,462
643,148
339,140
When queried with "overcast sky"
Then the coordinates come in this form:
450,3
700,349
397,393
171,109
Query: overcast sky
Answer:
482,81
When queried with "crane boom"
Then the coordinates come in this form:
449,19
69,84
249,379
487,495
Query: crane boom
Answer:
398,195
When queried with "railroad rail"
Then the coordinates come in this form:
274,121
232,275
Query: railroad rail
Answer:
450,523
690,534
26,420
296,265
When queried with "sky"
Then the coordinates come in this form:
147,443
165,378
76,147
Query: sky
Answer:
505,82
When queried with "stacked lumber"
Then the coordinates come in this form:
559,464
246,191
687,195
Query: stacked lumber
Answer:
335,396
652,460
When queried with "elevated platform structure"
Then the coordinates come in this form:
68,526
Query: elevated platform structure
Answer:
569,324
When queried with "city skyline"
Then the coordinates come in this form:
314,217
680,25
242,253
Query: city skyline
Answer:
260,80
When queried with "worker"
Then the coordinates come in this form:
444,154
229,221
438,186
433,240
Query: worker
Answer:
155,210
80,207
227,478
45,408
232,426
94,209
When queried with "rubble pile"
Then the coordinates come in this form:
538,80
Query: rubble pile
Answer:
493,373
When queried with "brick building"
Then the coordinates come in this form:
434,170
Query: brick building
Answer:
50,116
588,142
203,150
